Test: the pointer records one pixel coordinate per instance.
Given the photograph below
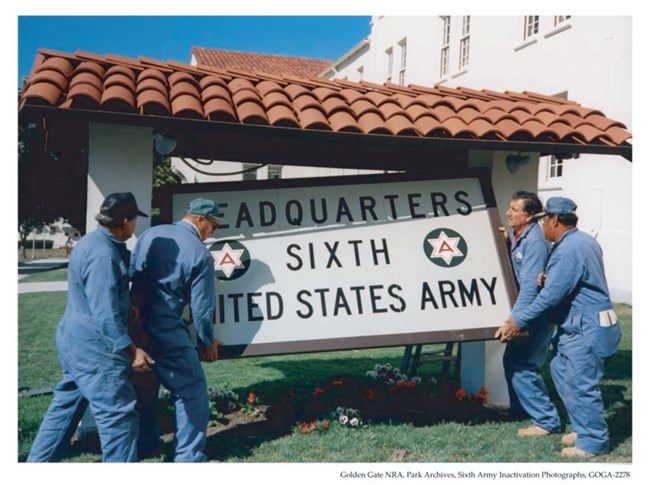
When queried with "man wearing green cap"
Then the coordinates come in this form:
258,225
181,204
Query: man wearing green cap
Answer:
172,268
575,289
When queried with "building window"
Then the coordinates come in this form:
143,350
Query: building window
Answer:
531,26
389,62
555,167
402,61
561,18
464,43
444,51
275,171
248,172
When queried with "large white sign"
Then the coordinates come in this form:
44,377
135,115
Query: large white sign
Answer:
389,261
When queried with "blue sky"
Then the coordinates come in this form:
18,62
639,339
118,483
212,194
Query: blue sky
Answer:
172,37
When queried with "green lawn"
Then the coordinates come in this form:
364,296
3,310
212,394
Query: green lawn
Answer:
490,437
59,274
40,254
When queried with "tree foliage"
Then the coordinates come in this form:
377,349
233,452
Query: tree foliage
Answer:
52,172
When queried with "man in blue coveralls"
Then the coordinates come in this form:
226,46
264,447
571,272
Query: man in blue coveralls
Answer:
525,356
171,268
588,333
93,343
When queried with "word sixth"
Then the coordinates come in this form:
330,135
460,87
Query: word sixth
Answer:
342,210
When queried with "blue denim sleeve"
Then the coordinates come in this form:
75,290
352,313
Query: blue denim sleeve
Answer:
533,263
203,301
563,274
103,277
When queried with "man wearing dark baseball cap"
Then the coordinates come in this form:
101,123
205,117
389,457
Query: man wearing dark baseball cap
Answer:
93,342
575,288
172,268
119,206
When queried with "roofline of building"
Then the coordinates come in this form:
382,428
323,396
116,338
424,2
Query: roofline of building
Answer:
346,56
232,141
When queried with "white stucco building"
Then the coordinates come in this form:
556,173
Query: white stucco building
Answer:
585,59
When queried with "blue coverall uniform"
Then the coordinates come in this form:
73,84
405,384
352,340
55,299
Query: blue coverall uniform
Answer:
171,267
588,334
522,361
91,342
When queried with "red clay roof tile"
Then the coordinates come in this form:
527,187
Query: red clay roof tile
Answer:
43,93
232,94
207,81
307,101
152,83
59,64
117,98
93,67
282,115
371,122
84,96
274,98
187,106
344,121
52,77
266,87
119,79
215,91
251,112
151,73
313,118
362,106
266,63
399,124
152,101
218,109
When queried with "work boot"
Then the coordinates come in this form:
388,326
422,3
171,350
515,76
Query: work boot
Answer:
574,452
533,430
569,439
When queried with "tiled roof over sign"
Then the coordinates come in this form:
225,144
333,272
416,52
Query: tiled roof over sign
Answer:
144,86
251,61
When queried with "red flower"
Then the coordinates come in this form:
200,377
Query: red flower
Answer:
370,394
392,389
337,383
460,394
292,393
317,391
252,397
482,391
326,424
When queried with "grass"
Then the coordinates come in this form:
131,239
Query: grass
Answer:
59,274
488,438
40,254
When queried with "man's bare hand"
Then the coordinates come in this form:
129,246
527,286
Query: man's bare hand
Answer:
541,279
507,331
210,354
503,232
140,360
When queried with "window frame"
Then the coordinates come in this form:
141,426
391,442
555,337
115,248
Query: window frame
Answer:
464,44
444,49
531,23
389,67
402,61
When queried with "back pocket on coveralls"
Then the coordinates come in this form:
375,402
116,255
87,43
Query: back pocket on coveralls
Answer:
607,337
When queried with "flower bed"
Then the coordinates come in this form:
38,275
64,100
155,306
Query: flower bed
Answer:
385,394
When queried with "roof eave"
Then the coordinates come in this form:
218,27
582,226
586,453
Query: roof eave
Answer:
309,144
